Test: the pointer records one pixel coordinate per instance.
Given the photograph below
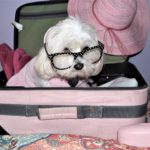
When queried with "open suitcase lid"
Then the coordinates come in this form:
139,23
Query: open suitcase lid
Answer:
37,17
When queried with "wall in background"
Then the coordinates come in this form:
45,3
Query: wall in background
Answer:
7,13
142,60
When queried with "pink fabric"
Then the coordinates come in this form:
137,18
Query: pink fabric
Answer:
12,61
6,59
121,25
27,76
20,59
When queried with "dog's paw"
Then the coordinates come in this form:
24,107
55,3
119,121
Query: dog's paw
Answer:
43,83
82,83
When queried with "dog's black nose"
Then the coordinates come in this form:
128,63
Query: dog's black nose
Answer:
78,66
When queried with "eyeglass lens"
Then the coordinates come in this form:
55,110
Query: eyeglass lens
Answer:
66,60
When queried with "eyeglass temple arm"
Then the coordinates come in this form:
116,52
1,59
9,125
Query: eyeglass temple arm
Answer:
101,45
46,50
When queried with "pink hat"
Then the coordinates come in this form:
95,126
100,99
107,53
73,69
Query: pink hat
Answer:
122,25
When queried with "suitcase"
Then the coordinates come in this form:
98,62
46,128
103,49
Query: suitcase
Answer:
98,112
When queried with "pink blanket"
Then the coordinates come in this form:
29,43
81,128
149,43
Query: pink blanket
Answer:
27,77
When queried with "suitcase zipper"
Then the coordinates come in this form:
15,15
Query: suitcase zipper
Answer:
42,15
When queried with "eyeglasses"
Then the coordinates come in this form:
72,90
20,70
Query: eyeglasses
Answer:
91,54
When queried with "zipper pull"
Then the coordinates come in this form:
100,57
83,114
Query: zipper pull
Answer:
17,25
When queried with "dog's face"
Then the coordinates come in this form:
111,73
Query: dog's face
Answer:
68,45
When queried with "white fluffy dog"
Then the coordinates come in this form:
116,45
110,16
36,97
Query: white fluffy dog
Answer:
71,50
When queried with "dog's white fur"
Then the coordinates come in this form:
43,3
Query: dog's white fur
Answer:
73,34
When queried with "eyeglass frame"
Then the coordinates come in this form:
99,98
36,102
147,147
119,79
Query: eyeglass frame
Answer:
75,55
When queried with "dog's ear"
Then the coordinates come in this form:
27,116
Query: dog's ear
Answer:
43,66
50,35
